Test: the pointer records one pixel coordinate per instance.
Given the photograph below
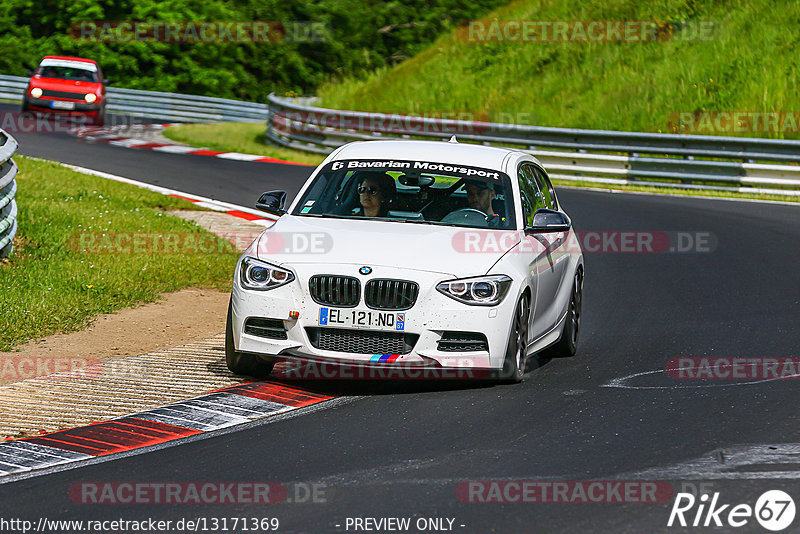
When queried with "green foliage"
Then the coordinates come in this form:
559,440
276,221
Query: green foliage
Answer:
357,37
750,63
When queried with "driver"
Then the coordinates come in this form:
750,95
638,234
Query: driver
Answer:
480,196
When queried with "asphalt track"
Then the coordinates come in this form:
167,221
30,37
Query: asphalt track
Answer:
216,178
401,450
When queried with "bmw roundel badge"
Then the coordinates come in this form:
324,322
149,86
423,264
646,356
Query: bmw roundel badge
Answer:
365,270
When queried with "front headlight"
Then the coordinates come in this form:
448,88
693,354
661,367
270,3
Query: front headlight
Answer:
255,274
479,291
90,98
36,92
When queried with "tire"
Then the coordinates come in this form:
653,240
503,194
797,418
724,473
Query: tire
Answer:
567,344
26,113
243,364
514,363
100,118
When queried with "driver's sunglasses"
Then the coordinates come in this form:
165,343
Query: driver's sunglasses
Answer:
371,190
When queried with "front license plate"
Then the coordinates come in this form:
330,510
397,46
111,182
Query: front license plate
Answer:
372,319
58,104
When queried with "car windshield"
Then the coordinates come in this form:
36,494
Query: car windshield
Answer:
421,192
67,73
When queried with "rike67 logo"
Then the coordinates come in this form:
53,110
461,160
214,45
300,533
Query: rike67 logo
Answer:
774,510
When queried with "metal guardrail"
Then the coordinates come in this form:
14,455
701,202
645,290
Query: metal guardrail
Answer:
663,160
8,188
173,107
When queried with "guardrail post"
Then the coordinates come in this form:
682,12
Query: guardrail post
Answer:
8,188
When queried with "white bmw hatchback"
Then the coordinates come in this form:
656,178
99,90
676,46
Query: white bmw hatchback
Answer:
413,255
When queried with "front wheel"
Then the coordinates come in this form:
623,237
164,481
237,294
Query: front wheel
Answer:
239,363
99,118
516,350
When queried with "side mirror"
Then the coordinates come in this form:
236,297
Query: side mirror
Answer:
30,74
272,202
106,82
547,221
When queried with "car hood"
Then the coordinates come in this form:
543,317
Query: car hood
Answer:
422,247
58,84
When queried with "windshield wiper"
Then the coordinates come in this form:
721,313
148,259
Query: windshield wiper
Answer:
353,217
325,216
392,219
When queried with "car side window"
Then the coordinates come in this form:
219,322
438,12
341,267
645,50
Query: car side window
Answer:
551,189
530,176
524,195
546,188
531,198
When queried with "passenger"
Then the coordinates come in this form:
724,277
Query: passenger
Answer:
376,192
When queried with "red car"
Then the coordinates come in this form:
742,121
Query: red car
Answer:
67,86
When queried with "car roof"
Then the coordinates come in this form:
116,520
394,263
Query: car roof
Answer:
70,58
439,151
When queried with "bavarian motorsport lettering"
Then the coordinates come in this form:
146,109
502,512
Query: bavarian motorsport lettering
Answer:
414,165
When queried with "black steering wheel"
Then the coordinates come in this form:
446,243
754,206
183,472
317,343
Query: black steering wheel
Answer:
466,216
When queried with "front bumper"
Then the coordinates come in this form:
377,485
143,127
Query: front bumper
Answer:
42,105
426,322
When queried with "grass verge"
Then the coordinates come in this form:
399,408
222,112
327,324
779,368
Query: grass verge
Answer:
746,61
244,137
76,254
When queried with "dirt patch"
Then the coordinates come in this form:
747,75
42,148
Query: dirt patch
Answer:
182,317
